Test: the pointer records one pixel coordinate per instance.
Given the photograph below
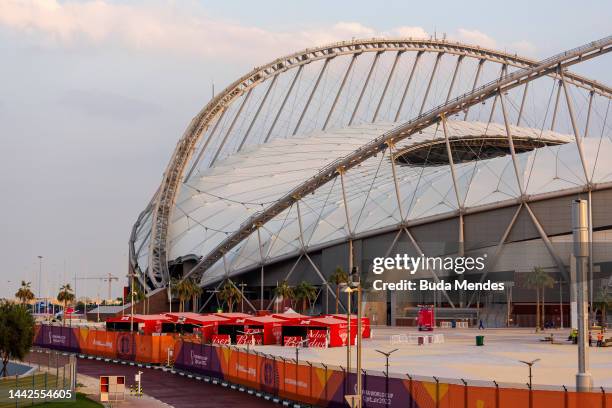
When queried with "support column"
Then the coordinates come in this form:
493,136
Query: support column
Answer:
555,109
229,130
346,74
431,78
363,89
280,110
520,114
384,92
584,381
414,67
314,90
478,70
263,102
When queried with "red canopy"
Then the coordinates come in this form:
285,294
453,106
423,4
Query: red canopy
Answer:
259,320
138,318
196,318
233,317
290,316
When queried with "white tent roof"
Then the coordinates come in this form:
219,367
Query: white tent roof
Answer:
216,203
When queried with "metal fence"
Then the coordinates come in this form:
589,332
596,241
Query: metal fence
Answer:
47,375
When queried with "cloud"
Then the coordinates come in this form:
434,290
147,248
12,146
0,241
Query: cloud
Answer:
185,28
474,37
167,26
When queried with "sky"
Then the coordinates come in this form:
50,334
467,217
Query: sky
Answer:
94,95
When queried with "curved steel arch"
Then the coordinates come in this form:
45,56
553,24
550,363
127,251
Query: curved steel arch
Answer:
162,203
557,63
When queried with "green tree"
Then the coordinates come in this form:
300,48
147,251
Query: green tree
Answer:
184,290
229,294
306,293
284,291
65,296
25,294
338,278
16,333
195,291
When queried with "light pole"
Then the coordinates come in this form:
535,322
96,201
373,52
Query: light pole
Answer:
387,354
349,290
581,253
40,258
530,364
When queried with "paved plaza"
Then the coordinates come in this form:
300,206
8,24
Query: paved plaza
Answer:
459,357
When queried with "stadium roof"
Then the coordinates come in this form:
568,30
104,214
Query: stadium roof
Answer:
225,195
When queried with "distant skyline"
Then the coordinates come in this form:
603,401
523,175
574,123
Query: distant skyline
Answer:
95,94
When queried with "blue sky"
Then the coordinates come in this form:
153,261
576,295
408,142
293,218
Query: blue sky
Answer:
95,94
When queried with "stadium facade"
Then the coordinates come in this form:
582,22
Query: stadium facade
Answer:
336,155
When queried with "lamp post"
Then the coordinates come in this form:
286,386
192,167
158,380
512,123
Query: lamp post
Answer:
349,290
530,364
40,258
581,253
387,354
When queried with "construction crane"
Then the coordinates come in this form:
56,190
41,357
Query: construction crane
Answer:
108,278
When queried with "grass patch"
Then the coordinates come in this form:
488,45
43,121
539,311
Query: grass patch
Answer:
81,402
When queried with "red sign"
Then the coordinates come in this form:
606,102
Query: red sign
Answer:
292,341
252,339
223,339
69,311
317,338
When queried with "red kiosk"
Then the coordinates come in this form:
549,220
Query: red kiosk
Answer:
148,324
231,328
206,325
366,331
334,331
265,330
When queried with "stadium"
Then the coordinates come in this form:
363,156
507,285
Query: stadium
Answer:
336,155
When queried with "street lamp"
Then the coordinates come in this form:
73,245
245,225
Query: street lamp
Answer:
387,354
40,258
350,290
530,364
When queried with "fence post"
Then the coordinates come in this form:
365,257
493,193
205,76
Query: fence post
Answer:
410,391
310,378
465,393
603,397
530,396
437,392
496,394
565,397
325,386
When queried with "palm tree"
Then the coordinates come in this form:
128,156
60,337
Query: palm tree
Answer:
538,279
195,291
305,292
337,278
230,294
182,290
284,291
65,296
25,294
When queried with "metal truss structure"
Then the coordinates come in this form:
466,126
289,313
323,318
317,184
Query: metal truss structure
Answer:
232,126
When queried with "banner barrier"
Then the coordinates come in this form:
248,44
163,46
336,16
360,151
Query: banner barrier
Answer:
306,382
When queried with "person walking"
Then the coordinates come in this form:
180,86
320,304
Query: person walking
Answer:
481,325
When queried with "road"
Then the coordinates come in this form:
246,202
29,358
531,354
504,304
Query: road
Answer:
175,390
